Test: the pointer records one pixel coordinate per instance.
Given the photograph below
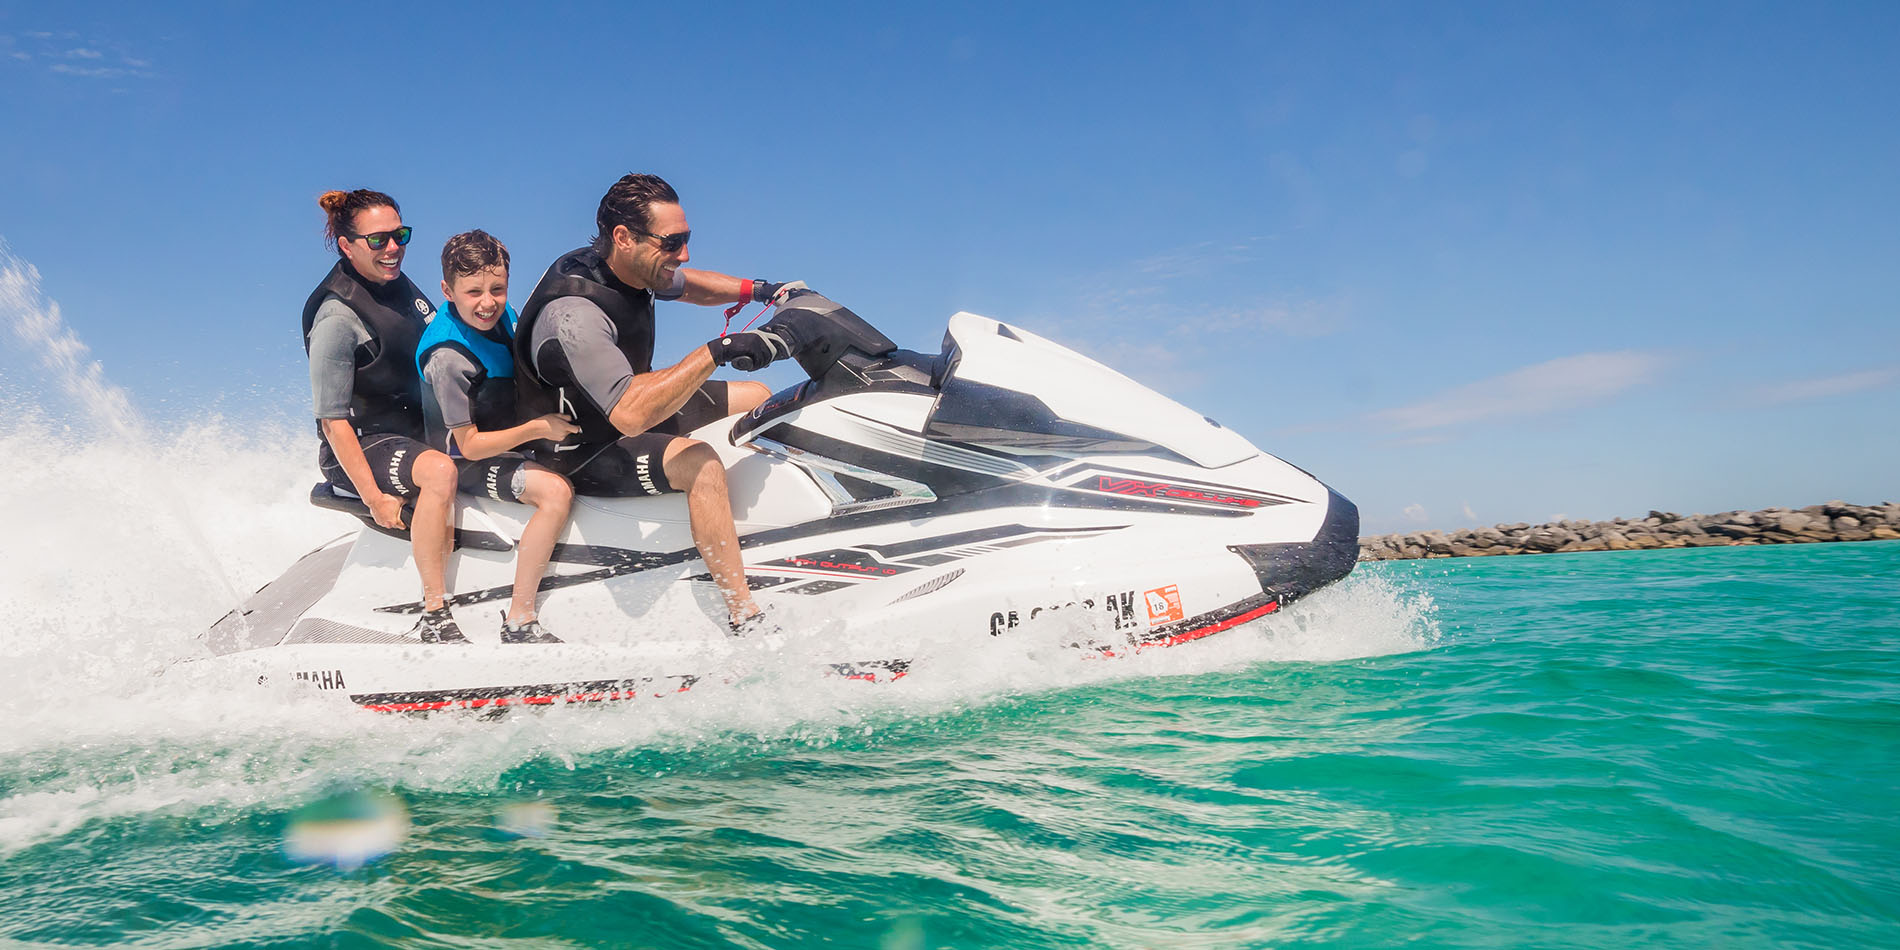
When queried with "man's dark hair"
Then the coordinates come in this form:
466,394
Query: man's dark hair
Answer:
472,252
626,203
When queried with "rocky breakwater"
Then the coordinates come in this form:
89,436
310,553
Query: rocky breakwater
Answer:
1834,521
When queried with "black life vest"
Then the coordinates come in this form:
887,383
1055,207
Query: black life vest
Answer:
581,273
387,394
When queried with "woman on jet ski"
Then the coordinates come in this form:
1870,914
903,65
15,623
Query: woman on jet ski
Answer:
360,328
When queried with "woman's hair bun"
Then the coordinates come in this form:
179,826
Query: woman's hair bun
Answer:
332,200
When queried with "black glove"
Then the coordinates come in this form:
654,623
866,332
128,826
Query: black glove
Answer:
793,326
764,290
749,350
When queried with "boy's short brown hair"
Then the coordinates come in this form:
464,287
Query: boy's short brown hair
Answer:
472,252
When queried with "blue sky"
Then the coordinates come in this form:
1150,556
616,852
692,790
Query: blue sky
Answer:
1469,263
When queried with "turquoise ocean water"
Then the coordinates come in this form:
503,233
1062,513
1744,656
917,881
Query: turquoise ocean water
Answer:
1670,748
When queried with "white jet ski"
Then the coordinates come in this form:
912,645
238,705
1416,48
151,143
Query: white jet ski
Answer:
893,501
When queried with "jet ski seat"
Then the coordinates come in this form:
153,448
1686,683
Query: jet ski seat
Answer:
326,495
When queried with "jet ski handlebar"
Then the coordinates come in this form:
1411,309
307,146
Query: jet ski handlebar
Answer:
822,331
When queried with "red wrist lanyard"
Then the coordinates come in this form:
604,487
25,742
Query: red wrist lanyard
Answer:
745,290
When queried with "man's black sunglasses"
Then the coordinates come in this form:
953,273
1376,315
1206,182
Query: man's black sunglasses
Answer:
376,239
670,243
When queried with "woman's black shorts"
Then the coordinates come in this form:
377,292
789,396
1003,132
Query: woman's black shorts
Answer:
392,462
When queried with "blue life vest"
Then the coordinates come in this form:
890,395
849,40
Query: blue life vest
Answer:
495,359
491,394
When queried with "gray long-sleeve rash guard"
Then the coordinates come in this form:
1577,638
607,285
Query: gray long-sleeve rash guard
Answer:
586,337
335,334
448,376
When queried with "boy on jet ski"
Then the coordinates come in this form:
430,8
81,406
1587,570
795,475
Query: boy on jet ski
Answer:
585,344
469,405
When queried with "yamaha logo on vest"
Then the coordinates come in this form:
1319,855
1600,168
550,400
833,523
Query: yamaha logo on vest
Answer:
422,307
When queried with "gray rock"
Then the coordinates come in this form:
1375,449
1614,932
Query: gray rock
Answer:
1547,539
1793,521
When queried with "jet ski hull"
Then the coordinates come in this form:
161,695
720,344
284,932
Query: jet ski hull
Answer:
896,508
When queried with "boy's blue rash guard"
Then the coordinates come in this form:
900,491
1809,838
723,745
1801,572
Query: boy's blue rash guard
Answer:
494,357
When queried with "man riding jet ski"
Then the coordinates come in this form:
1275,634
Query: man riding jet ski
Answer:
894,507
584,344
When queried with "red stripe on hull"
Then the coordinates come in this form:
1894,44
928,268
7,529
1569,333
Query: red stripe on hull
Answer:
1206,631
500,701
1211,629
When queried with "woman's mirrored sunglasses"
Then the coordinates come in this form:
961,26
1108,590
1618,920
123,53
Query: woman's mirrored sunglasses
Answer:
376,239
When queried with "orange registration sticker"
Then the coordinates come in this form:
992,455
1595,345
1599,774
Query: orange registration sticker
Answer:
1164,604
